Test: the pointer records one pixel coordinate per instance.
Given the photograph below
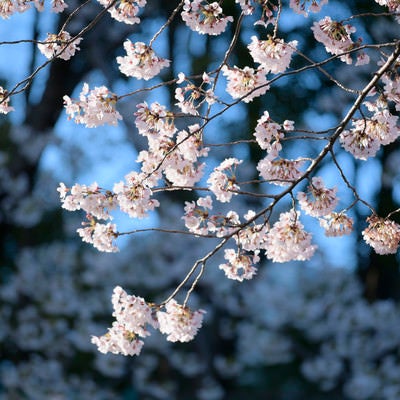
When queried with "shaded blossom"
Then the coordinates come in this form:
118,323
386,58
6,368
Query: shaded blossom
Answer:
383,235
141,61
179,322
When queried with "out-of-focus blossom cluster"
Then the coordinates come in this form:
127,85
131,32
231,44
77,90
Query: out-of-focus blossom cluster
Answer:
10,7
305,6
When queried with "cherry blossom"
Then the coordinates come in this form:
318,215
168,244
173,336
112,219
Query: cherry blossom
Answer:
334,36
94,108
141,62
118,340
5,108
246,6
273,54
252,237
383,235
132,316
191,97
87,198
60,45
393,6
222,181
368,134
392,89
179,322
58,6
318,201
154,120
10,7
239,266
196,219
301,6
280,172
124,10
7,9
268,134
247,82
101,236
132,312
134,195
287,240
336,224
204,18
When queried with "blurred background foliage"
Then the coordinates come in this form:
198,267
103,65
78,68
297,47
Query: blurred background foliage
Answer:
327,329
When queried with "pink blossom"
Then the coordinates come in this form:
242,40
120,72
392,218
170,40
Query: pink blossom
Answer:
58,6
4,101
334,36
367,135
118,340
191,97
268,134
336,224
287,240
280,172
252,238
246,6
141,61
94,108
134,195
132,316
204,18
222,181
300,6
247,82
100,235
383,235
318,201
196,219
124,10
179,322
154,120
7,9
132,312
273,54
392,89
87,198
239,266
59,45
393,5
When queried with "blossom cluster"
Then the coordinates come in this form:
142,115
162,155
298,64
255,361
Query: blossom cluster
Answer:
124,10
10,7
204,18
60,45
245,83
94,108
140,62
191,97
177,156
369,134
5,108
133,317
